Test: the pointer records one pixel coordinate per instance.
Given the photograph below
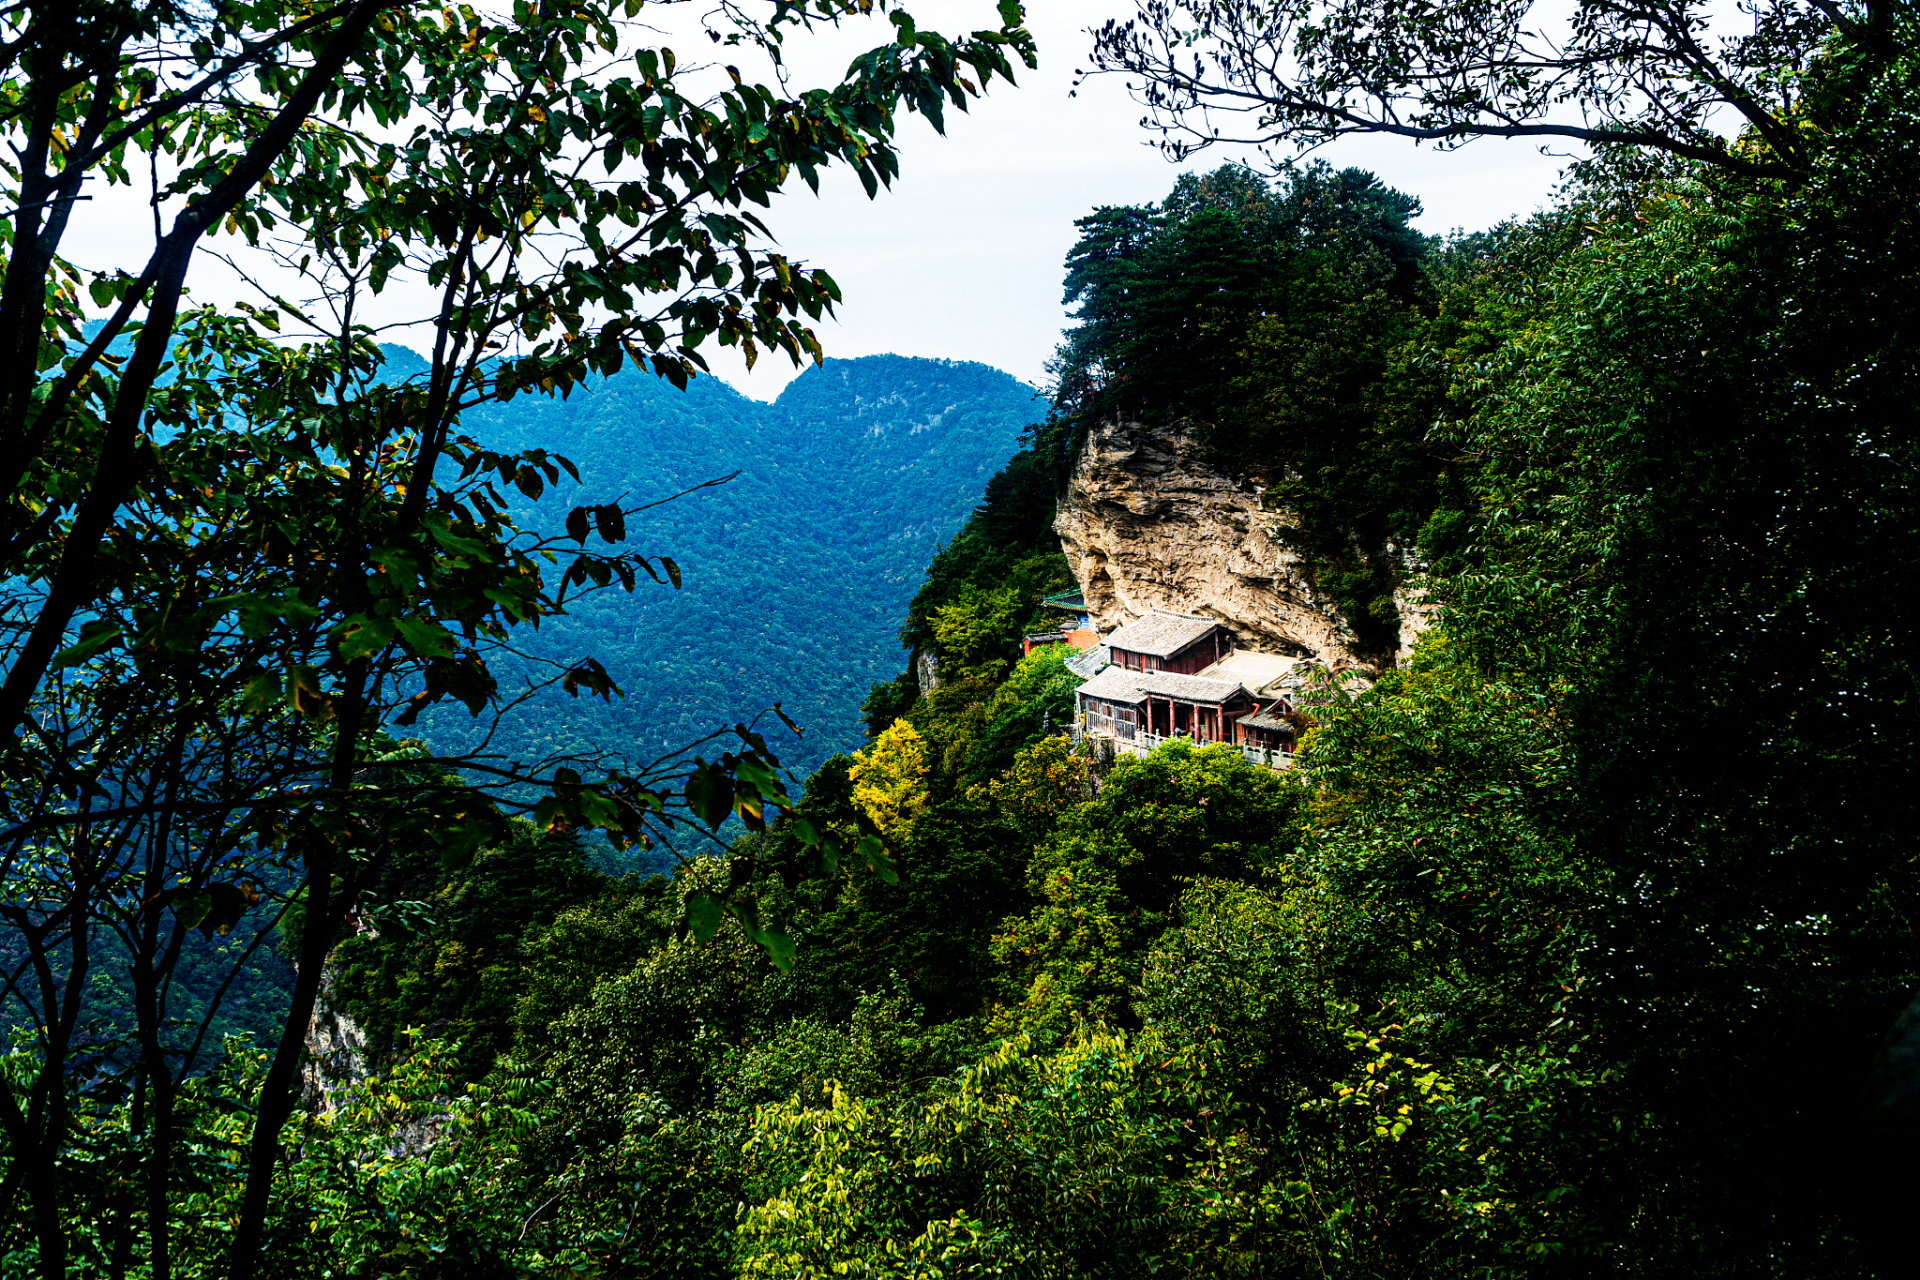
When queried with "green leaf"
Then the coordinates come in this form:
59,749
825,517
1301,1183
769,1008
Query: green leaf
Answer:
261,694
455,543
760,777
94,636
597,809
704,912
304,695
874,853
259,613
360,636
191,907
424,638
709,794
779,947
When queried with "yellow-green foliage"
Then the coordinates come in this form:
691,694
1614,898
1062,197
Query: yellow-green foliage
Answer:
1056,1164
1108,876
1045,781
973,631
851,1212
890,779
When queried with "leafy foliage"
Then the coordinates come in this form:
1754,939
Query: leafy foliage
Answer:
1563,949
239,559
1293,325
1656,75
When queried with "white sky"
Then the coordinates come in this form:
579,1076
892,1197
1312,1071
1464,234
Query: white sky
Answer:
962,259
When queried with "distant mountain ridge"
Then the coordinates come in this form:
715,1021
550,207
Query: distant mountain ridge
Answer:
796,573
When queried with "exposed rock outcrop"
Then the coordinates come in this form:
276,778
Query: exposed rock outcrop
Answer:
339,1057
337,1053
1147,523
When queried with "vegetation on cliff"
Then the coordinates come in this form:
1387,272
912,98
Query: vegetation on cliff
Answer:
1565,951
1297,326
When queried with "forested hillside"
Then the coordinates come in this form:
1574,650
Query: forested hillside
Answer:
794,575
1584,942
795,572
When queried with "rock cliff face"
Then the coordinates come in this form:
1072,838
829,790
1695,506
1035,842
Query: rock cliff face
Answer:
1146,524
336,1052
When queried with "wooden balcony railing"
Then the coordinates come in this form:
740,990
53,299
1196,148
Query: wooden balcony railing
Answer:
1134,740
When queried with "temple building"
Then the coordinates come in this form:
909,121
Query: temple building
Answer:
1171,675
1075,629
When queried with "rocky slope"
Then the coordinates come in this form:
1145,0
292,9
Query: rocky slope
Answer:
1146,523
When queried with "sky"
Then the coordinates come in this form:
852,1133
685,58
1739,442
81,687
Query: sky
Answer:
962,258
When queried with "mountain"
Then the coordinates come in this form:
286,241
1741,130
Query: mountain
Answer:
796,572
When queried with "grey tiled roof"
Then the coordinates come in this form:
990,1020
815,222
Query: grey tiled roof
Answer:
1186,688
1161,634
1115,685
1265,722
1089,661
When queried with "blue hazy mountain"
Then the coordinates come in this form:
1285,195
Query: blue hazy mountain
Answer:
796,573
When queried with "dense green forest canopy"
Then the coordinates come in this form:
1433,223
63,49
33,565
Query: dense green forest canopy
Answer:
794,573
239,563
1569,948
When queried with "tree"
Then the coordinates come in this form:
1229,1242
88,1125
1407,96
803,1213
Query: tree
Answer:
1282,323
890,779
1648,73
240,561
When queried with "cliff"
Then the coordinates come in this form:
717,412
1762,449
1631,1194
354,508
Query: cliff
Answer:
1147,523
337,1056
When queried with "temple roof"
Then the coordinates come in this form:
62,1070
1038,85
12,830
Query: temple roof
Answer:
1161,634
1115,685
1254,670
1186,688
1089,661
1070,600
